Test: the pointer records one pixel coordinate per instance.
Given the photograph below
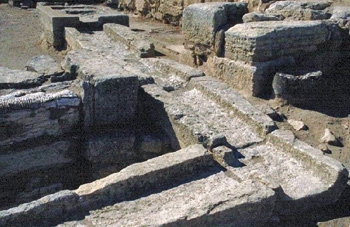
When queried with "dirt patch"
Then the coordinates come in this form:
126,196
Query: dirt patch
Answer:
20,37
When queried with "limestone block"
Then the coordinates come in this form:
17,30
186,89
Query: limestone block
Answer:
298,89
171,10
29,116
264,41
116,147
300,10
191,117
32,159
230,98
108,90
340,12
216,200
249,79
201,21
109,100
254,17
54,23
18,79
44,211
332,172
136,41
145,176
43,64
121,19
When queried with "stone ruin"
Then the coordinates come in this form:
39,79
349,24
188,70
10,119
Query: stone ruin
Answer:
117,136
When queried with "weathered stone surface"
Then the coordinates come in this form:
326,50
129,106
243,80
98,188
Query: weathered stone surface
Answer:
200,22
136,41
145,176
340,12
264,41
332,173
18,79
32,159
300,10
195,118
170,67
54,23
108,91
297,89
42,212
254,17
231,99
213,201
250,79
43,64
29,116
116,147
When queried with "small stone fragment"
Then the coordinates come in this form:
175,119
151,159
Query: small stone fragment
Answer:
297,125
324,148
330,138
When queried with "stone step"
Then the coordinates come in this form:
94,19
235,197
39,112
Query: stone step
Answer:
195,119
136,180
216,200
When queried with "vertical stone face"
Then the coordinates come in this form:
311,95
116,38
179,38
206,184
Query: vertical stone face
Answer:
36,115
110,100
202,21
261,41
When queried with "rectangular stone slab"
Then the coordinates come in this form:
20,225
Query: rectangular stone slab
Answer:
213,201
264,41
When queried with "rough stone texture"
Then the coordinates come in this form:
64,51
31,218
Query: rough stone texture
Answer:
146,176
216,200
261,41
56,18
29,116
54,23
195,118
333,174
18,79
42,212
166,67
340,12
43,64
298,89
45,156
250,79
136,41
300,10
254,17
116,147
231,99
109,93
200,22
